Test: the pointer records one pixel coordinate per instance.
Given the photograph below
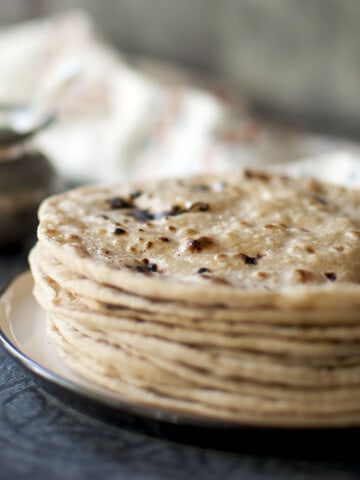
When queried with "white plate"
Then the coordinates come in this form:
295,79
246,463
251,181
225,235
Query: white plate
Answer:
23,334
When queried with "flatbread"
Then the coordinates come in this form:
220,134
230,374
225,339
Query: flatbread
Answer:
117,302
260,366
53,297
138,395
234,297
242,240
251,398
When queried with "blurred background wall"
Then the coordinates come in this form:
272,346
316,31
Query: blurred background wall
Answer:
182,31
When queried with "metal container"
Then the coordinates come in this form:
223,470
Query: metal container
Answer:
26,175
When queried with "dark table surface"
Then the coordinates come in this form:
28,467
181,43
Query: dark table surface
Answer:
44,435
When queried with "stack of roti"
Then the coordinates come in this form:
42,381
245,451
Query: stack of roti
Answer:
232,297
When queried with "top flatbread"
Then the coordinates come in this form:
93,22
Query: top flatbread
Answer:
245,238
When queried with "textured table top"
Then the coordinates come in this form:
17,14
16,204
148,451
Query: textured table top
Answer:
42,435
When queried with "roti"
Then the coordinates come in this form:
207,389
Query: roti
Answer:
269,401
233,296
247,239
118,303
234,354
